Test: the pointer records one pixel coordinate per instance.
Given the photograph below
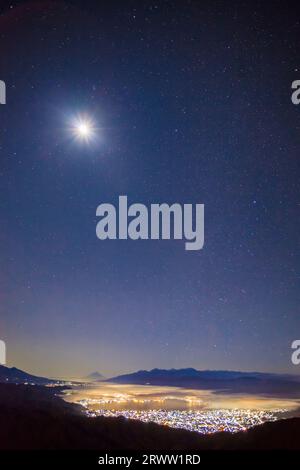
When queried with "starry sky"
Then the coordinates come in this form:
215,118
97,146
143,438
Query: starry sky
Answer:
192,102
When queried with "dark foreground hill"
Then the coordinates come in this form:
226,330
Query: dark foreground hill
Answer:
34,417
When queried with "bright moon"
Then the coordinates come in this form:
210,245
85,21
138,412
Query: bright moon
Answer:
83,129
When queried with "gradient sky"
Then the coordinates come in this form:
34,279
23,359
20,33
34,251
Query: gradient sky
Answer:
192,101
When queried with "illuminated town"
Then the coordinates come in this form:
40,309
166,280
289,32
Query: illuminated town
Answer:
202,421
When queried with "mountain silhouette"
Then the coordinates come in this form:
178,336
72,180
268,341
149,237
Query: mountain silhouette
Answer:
17,376
94,376
229,381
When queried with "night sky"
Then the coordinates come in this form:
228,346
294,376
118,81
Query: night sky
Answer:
192,103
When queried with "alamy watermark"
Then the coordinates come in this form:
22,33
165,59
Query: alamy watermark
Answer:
296,353
2,343
2,92
2,353
160,221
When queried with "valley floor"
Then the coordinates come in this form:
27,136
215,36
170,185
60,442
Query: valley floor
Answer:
34,417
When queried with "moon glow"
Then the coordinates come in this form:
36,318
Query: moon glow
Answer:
83,129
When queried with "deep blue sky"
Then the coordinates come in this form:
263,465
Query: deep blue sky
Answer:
192,101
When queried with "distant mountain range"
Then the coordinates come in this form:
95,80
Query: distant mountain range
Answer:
229,381
17,376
